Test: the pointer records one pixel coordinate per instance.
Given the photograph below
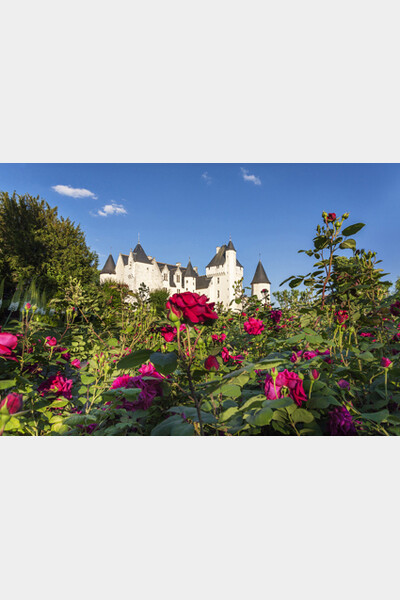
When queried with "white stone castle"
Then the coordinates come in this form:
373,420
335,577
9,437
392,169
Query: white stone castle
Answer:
222,273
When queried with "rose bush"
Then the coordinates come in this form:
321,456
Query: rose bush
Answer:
94,364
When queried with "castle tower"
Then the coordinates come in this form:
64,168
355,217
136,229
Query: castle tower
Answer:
108,271
260,283
190,278
231,269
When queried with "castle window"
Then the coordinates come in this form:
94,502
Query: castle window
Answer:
178,278
218,294
179,291
217,279
165,276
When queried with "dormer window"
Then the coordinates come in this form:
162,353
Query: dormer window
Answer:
165,276
178,279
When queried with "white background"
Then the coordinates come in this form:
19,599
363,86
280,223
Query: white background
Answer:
253,81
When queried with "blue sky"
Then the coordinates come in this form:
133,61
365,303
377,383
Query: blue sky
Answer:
183,210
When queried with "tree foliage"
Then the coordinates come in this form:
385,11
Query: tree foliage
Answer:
36,244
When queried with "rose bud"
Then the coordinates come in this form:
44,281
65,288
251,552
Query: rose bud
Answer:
211,363
385,362
315,374
13,403
343,384
331,217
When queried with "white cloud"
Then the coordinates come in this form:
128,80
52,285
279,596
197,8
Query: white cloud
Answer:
112,209
207,178
253,178
67,190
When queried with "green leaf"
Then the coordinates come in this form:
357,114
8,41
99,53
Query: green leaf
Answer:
269,363
367,356
134,359
7,383
252,402
352,229
113,342
79,420
377,417
278,403
348,244
191,413
165,427
230,390
320,242
182,429
295,282
86,378
228,413
164,363
301,415
12,423
260,417
58,404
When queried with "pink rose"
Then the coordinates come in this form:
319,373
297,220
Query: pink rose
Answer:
50,341
76,363
57,384
253,326
290,382
8,342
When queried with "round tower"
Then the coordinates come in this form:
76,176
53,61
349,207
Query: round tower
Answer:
261,285
231,269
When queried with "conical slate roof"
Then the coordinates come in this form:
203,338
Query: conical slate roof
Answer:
190,272
231,246
219,258
139,255
260,275
109,267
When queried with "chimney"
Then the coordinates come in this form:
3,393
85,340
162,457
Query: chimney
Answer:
217,249
196,270
178,264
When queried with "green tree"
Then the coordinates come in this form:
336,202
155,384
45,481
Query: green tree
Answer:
157,299
36,244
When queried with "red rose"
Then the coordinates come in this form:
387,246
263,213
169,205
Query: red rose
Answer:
331,217
191,307
168,333
13,403
342,316
211,363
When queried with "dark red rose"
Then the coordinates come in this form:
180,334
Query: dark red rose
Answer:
211,363
331,217
13,401
192,307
